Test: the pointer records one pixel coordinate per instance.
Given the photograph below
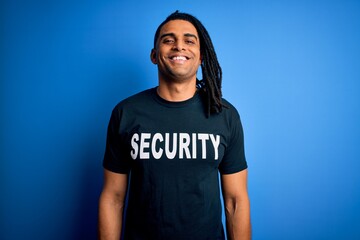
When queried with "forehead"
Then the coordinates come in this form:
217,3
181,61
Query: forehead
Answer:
178,27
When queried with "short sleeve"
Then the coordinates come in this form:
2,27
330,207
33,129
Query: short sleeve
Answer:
116,157
234,157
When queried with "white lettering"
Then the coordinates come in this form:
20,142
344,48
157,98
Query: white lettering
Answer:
194,145
184,142
135,147
156,154
143,145
170,154
203,137
175,145
216,143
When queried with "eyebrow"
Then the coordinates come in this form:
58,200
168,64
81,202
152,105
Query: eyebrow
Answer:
173,35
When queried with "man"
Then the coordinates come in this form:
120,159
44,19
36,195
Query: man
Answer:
166,145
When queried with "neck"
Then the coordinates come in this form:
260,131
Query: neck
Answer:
176,92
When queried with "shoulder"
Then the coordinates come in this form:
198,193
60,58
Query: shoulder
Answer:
136,100
131,105
229,109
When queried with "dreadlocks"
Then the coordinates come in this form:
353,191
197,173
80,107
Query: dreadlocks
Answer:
210,85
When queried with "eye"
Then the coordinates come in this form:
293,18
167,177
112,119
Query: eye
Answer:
168,40
191,42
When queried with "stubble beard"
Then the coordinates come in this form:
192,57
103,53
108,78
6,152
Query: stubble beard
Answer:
171,75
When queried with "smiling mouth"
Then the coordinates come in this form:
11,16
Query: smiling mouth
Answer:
179,58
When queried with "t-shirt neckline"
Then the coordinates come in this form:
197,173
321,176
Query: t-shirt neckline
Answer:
171,104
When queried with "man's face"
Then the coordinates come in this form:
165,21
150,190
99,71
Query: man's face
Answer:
177,52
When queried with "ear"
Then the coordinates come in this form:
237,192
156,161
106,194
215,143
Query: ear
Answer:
153,56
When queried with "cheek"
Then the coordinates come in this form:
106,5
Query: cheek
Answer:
199,55
160,56
200,59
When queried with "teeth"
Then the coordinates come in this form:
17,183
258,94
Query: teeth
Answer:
179,58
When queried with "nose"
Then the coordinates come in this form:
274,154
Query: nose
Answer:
178,46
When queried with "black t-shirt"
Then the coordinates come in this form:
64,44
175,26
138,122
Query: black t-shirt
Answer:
173,154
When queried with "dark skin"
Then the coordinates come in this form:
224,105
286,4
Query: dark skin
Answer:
177,56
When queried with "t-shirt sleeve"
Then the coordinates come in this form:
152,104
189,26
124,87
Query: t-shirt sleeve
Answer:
116,157
234,158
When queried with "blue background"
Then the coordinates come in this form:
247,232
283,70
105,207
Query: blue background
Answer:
292,69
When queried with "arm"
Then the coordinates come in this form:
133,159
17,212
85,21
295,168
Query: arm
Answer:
237,205
111,205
